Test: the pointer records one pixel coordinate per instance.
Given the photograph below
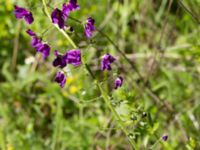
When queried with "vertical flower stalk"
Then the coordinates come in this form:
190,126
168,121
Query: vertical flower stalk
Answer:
104,94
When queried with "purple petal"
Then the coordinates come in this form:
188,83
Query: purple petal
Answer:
29,18
165,137
30,32
61,79
23,13
20,12
60,60
71,6
36,43
46,51
106,62
118,82
89,27
58,18
65,11
73,57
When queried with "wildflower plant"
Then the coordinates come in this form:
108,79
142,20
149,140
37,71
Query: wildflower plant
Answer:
58,18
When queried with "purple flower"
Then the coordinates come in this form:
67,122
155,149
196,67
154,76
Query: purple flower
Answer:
44,49
38,45
60,60
106,62
71,6
61,79
30,32
58,17
73,57
89,27
22,13
164,137
118,82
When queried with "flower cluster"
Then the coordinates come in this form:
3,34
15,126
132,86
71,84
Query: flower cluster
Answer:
73,57
59,17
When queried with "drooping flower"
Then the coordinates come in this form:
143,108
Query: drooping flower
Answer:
61,79
73,57
58,18
22,13
60,60
106,62
38,44
71,6
118,82
89,27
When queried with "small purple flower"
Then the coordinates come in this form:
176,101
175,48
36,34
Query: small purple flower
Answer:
118,82
106,62
21,13
71,6
164,137
44,49
89,27
30,32
61,79
60,60
58,17
38,45
73,57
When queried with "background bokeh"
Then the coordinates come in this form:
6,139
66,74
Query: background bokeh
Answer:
160,37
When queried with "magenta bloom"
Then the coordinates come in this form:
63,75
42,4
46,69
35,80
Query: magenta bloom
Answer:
22,13
73,57
118,82
58,18
61,79
71,6
89,27
38,44
106,62
60,60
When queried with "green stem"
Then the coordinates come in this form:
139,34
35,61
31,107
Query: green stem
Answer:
116,116
62,31
104,94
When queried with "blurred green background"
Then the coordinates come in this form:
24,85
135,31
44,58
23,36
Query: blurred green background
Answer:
160,37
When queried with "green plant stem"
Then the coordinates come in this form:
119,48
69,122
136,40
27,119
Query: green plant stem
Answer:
103,93
62,31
